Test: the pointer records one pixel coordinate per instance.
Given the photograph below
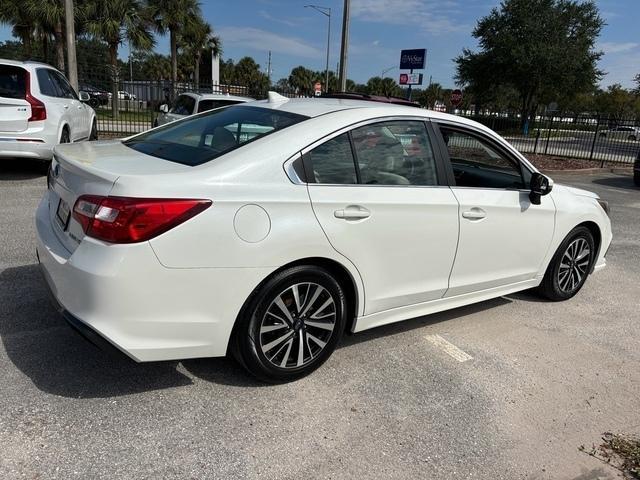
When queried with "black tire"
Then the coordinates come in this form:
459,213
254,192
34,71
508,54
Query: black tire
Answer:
94,131
64,136
258,328
556,286
636,178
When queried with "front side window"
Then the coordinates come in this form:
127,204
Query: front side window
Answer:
476,163
197,140
184,105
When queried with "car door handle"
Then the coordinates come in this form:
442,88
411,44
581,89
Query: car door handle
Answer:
474,214
66,107
352,213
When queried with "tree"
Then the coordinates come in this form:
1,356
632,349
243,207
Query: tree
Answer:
113,21
50,18
12,13
176,17
637,80
198,38
302,80
384,86
430,95
544,49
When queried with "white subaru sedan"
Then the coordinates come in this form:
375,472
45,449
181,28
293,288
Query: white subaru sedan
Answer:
266,230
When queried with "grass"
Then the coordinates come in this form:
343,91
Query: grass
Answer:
620,451
124,116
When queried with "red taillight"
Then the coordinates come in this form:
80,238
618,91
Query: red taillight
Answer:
38,110
130,220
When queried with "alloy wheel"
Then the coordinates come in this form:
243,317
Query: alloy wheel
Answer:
574,265
297,325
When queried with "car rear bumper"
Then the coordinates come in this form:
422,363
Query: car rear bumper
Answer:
122,294
13,148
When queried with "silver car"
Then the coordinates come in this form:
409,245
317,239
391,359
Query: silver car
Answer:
622,132
190,103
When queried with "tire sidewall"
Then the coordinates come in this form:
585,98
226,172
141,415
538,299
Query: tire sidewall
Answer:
247,335
578,232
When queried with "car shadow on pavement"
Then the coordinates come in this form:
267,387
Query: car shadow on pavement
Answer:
622,181
22,169
56,359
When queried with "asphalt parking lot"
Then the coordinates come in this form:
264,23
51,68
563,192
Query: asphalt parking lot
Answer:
543,379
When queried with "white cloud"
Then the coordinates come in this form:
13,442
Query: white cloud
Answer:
612,47
431,16
257,39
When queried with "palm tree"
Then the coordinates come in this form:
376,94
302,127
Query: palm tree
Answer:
176,17
12,13
50,17
113,21
301,80
198,38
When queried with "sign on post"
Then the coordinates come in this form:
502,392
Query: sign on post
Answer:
456,97
413,59
410,79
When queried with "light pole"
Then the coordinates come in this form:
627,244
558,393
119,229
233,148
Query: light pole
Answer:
71,43
327,12
344,48
387,70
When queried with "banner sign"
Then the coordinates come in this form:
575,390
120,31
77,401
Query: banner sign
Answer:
413,59
410,79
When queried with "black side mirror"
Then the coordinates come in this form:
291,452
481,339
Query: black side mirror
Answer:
540,185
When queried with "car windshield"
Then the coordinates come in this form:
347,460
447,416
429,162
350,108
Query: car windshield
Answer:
199,139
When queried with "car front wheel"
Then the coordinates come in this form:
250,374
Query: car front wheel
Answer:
291,325
570,265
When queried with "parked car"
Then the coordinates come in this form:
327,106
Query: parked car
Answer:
192,240
190,103
122,95
39,109
97,97
622,132
636,171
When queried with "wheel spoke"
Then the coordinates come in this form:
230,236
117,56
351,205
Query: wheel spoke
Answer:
285,310
296,297
316,340
322,325
270,346
310,302
300,348
328,302
285,359
271,328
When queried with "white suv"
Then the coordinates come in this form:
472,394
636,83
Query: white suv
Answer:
39,109
191,103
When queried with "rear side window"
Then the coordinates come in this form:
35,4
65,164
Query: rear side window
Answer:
184,105
332,162
205,105
197,140
47,84
13,81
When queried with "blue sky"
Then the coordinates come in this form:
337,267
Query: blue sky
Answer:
381,28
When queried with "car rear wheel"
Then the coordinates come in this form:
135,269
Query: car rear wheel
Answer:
64,136
570,265
291,325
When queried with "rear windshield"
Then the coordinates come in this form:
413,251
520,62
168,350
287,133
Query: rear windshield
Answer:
197,140
12,81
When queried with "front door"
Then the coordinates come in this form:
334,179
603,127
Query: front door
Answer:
376,193
503,236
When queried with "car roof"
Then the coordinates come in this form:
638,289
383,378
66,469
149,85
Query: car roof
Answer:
26,63
317,106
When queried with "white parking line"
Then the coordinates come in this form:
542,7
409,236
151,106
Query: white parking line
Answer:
449,348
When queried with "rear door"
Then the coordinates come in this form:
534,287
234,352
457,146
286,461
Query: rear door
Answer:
503,236
378,194
78,111
14,109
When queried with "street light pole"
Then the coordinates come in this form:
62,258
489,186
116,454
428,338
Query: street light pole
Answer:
345,46
71,43
327,12
387,70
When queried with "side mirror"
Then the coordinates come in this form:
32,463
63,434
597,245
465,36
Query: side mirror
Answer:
84,96
540,185
164,108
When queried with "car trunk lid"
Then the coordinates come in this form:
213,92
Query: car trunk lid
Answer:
91,168
14,109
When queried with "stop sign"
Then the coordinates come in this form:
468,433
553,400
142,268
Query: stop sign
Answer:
317,88
456,97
